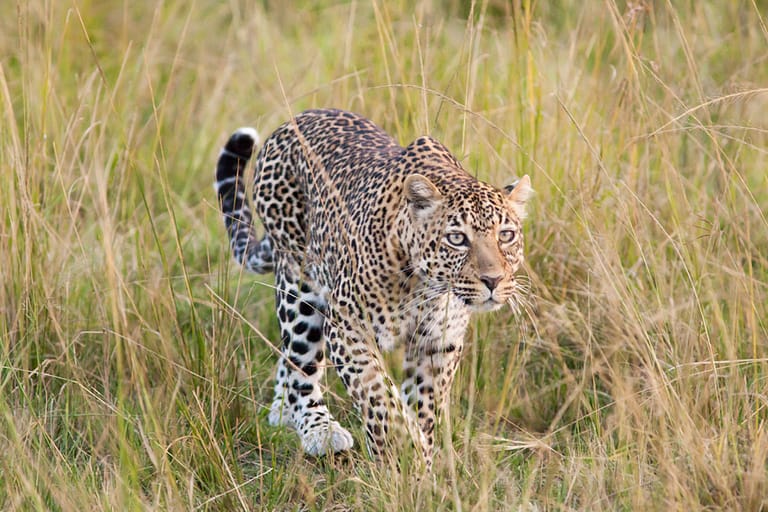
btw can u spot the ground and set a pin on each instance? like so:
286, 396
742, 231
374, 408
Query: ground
136, 358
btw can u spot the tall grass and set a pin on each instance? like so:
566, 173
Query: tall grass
136, 359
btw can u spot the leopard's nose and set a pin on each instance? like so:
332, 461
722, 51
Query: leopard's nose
491, 281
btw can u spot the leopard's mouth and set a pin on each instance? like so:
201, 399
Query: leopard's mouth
482, 304
490, 304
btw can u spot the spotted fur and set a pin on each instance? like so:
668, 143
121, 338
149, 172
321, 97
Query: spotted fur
372, 245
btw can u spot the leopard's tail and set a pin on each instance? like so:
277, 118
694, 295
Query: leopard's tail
253, 254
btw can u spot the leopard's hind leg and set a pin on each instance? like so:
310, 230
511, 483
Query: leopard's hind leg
298, 400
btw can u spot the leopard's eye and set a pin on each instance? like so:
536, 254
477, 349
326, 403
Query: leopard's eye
507, 236
457, 239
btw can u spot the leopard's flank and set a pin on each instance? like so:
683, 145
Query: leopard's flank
372, 245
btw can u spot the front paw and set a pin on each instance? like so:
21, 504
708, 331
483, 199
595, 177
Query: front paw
328, 438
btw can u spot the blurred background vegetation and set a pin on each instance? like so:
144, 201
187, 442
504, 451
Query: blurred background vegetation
136, 359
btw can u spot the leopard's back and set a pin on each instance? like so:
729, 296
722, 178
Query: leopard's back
321, 170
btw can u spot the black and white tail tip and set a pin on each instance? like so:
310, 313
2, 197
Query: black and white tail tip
237, 150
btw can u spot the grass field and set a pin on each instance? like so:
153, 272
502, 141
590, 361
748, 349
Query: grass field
136, 357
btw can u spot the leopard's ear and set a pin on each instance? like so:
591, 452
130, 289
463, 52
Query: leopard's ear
518, 194
422, 194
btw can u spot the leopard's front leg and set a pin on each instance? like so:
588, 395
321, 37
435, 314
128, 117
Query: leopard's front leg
361, 368
432, 355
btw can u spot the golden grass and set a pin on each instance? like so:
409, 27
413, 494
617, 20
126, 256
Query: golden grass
635, 381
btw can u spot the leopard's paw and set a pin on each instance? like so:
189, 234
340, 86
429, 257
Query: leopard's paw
328, 438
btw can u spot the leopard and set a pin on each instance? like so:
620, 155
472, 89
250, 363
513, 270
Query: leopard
373, 246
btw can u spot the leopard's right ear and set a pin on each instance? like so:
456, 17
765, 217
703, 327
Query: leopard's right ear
422, 194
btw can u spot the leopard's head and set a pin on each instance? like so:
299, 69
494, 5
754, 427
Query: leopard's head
468, 237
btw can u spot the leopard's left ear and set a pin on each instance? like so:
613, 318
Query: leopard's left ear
518, 194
